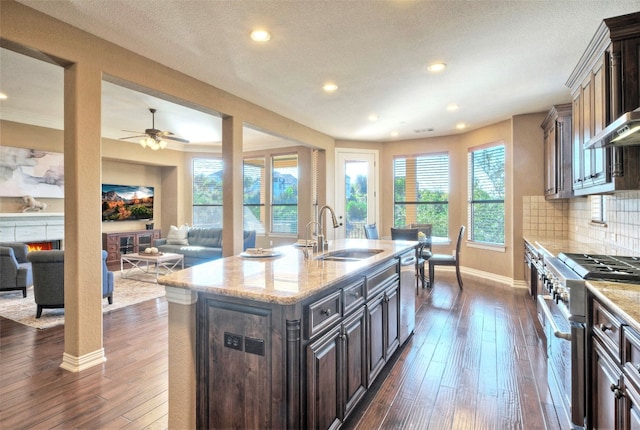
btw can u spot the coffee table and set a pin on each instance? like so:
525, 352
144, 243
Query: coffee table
142, 262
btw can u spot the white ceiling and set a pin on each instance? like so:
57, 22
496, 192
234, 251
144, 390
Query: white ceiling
503, 58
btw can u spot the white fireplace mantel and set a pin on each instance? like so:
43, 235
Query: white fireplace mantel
31, 226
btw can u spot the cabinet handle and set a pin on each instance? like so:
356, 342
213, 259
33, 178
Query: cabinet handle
604, 327
327, 312
637, 366
355, 294
617, 392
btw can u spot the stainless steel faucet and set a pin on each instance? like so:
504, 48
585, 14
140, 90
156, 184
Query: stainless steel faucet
321, 238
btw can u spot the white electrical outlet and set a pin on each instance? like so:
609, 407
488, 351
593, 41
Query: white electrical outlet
271, 243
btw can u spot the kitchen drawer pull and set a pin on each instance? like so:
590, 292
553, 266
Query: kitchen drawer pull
604, 328
355, 294
327, 312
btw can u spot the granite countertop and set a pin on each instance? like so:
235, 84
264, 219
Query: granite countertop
623, 299
285, 279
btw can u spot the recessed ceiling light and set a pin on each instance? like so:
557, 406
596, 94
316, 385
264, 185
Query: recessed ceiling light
260, 35
394, 134
436, 67
461, 126
3, 96
451, 107
329, 87
373, 117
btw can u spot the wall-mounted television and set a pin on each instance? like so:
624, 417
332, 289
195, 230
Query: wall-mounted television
126, 203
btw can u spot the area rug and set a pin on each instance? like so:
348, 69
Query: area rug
126, 292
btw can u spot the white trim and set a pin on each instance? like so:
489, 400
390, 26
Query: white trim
77, 364
180, 296
486, 276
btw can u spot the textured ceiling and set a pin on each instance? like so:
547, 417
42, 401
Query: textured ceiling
503, 57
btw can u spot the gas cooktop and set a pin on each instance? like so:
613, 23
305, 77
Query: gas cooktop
604, 267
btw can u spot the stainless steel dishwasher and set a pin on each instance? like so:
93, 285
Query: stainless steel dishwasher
407, 294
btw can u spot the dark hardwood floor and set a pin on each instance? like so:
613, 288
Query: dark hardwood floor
476, 361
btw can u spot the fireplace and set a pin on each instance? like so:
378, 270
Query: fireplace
44, 246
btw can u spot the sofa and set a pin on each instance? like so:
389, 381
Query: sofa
198, 244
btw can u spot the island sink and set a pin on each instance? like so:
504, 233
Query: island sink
349, 254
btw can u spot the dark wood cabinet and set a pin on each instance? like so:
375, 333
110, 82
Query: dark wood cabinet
613, 397
311, 358
557, 152
604, 85
127, 242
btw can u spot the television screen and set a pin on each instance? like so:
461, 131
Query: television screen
126, 203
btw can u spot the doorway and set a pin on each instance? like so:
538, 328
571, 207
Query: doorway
356, 190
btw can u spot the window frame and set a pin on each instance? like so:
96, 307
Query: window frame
474, 203
195, 205
439, 229
273, 205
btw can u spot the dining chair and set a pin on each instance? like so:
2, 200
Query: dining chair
447, 260
412, 234
371, 231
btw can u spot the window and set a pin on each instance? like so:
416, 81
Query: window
486, 195
598, 209
254, 194
421, 192
207, 192
284, 194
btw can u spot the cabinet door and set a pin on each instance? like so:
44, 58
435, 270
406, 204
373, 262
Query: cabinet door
324, 410
598, 123
550, 162
355, 364
631, 418
606, 380
145, 241
127, 244
375, 338
577, 159
392, 320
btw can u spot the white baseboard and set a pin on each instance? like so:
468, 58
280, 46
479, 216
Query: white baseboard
483, 276
77, 364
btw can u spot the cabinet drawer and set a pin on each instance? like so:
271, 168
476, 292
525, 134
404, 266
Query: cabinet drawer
323, 313
353, 296
381, 278
606, 327
631, 354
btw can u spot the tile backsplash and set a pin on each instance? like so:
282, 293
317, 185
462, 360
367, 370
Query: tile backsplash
571, 219
545, 218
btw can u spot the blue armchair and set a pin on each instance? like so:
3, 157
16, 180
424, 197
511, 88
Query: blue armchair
107, 279
15, 269
48, 279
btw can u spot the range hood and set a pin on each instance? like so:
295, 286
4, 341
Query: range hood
625, 131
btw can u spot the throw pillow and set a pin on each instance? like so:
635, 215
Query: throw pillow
178, 236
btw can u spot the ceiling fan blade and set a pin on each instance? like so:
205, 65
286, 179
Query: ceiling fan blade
177, 139
133, 137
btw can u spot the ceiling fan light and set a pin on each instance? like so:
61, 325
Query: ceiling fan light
163, 144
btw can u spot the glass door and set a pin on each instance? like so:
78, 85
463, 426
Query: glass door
356, 191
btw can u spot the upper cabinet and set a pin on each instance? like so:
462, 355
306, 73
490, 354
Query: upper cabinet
604, 85
557, 152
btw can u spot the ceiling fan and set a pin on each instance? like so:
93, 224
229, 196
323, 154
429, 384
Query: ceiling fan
152, 137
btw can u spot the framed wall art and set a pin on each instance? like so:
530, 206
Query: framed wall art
30, 171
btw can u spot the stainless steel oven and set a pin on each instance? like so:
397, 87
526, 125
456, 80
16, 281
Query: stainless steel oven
562, 306
565, 335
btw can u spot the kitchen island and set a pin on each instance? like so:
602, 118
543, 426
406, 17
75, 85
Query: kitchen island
284, 341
